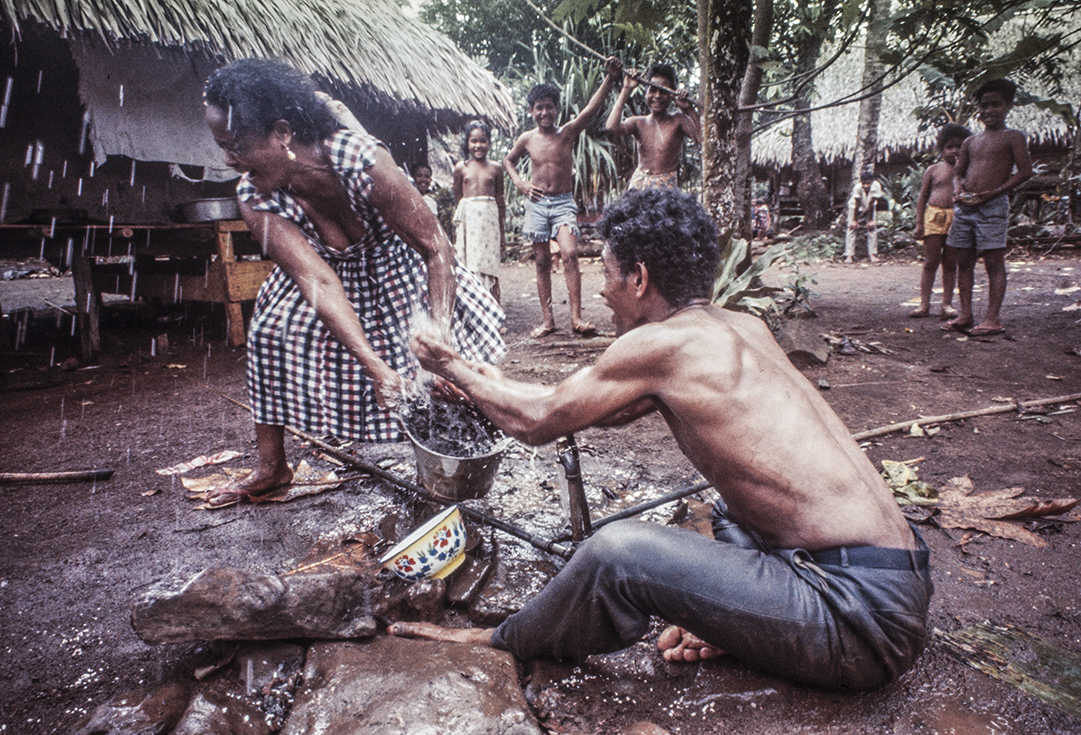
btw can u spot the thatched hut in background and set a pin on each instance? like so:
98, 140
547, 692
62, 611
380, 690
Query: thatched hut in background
900, 139
102, 112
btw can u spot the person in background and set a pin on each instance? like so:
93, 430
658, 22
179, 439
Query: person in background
551, 211
422, 177
934, 214
358, 254
867, 197
660, 134
761, 220
481, 210
989, 166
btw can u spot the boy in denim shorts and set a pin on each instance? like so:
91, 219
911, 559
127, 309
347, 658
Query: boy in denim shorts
551, 211
989, 166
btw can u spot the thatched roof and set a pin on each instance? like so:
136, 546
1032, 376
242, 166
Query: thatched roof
364, 47
834, 129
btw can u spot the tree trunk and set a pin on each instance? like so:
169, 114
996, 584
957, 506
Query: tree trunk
724, 32
867, 132
813, 198
748, 95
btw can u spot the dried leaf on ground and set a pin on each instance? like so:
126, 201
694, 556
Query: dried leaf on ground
200, 461
306, 481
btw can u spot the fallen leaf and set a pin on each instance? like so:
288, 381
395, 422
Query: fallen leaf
1072, 307
1064, 291
916, 430
175, 366
148, 493
1053, 377
200, 461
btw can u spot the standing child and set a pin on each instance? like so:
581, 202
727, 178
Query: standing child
989, 166
478, 219
422, 177
551, 211
934, 213
660, 134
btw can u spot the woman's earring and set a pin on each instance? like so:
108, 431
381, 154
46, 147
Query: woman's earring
289, 153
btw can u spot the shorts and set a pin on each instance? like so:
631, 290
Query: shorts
644, 179
936, 220
982, 227
543, 218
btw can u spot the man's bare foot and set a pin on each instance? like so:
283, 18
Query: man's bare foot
584, 329
677, 644
920, 313
959, 324
848, 261
542, 331
433, 632
948, 312
257, 483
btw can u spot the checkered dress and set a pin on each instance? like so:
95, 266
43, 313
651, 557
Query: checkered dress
298, 373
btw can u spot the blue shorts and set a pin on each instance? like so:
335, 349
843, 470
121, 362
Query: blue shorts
982, 227
544, 217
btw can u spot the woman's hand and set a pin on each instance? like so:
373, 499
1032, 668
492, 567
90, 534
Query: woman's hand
389, 387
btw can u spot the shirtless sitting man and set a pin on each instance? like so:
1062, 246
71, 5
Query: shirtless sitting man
660, 134
813, 573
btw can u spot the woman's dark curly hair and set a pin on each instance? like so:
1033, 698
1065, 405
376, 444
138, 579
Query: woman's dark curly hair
259, 92
671, 234
469, 128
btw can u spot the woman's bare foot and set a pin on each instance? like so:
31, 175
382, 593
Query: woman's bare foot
678, 645
920, 313
542, 331
948, 312
433, 632
258, 482
960, 324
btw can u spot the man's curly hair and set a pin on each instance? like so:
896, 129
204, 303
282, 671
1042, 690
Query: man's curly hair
539, 92
259, 92
670, 233
1005, 87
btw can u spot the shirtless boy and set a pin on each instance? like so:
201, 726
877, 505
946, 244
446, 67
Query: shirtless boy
989, 166
551, 211
934, 213
660, 134
813, 573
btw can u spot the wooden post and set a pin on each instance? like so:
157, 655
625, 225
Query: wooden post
87, 307
234, 316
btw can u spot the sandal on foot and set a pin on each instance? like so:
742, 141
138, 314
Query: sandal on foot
982, 331
919, 314
585, 329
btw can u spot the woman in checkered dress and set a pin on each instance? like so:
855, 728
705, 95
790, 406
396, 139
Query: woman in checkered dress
359, 256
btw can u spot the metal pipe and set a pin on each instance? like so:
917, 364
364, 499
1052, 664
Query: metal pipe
577, 507
643, 507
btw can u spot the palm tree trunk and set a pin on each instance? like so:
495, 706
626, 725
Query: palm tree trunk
870, 108
724, 32
748, 95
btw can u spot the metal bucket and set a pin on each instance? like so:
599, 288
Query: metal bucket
456, 478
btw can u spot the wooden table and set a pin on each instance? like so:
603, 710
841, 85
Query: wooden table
170, 263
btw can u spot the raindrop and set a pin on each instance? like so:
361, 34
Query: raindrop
228, 118
121, 95
52, 352
105, 198
7, 90
64, 170
79, 188
69, 253
50, 178
153, 346
111, 216
4, 201
41, 75
41, 256
134, 279
39, 158
52, 227
92, 167
176, 288
29, 155
144, 199
73, 323
131, 179
83, 132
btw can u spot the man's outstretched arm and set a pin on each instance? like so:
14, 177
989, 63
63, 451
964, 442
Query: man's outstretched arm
611, 391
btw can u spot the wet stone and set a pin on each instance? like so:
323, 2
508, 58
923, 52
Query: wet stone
800, 340
468, 580
425, 600
399, 685
233, 604
138, 712
513, 582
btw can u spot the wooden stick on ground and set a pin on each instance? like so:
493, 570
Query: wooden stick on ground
1002, 408
38, 478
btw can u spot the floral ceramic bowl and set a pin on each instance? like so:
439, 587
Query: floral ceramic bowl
432, 551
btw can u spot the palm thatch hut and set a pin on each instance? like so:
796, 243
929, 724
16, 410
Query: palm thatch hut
102, 101
901, 138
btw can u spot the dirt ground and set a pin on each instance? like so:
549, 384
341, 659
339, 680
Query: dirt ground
75, 555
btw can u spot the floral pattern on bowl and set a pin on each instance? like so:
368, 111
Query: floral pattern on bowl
438, 551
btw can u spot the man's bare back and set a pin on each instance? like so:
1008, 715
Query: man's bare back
759, 432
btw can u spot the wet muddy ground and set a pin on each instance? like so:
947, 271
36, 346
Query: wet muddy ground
76, 555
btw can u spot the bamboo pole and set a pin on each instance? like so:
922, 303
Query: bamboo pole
1013, 405
38, 478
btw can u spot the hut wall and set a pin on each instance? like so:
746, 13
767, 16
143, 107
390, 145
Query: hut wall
46, 124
